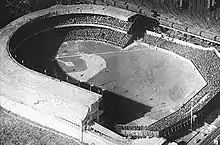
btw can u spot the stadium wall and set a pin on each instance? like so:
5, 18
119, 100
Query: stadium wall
53, 12
19, 107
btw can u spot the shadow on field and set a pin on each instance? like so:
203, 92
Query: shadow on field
120, 110
38, 53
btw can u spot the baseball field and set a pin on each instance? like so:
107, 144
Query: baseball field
145, 74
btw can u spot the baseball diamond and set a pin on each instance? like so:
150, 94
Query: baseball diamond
102, 77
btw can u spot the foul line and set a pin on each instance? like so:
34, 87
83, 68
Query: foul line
140, 49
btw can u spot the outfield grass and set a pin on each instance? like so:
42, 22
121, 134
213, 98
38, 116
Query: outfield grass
15, 130
145, 74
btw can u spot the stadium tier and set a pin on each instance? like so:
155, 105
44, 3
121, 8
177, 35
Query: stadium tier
65, 28
98, 20
98, 34
208, 64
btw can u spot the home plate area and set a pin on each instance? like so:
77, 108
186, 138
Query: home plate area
150, 76
82, 60
82, 66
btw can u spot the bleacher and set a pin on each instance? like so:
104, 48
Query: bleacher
208, 64
105, 35
98, 20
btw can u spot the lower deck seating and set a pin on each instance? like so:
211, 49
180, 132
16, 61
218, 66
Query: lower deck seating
98, 34
97, 19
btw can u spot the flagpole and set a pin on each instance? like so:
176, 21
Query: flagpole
191, 114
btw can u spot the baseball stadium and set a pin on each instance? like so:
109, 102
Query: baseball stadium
105, 70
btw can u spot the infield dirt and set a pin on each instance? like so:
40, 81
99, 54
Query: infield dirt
148, 75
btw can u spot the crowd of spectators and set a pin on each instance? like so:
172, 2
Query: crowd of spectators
185, 37
137, 131
206, 61
99, 20
99, 34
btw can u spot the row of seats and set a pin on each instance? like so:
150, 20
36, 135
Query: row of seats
194, 13
208, 64
144, 131
99, 34
185, 37
137, 131
100, 20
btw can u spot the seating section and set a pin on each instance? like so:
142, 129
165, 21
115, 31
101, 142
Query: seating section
93, 33
99, 34
208, 64
99, 20
106, 35
186, 37
206, 61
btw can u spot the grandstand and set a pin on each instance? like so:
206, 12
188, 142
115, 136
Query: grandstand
98, 34
200, 58
101, 20
91, 63
19, 65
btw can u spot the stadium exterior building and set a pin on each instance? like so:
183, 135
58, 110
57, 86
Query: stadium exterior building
24, 85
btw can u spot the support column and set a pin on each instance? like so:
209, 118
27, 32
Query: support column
181, 4
97, 117
81, 132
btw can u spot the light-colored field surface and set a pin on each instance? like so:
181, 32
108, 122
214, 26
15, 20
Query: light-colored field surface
80, 65
17, 84
132, 83
152, 76
83, 66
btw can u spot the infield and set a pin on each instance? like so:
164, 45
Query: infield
152, 76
